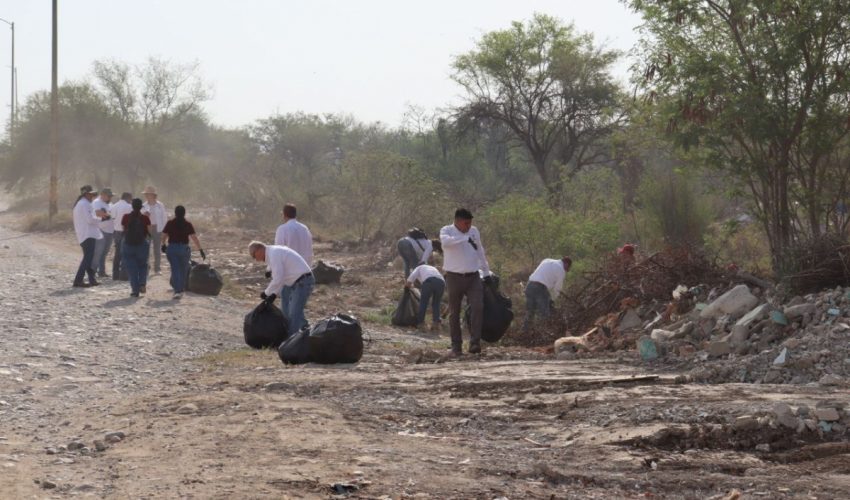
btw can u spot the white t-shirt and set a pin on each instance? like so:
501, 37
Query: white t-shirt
286, 267
118, 211
422, 247
424, 272
459, 256
85, 222
156, 213
106, 226
296, 236
550, 273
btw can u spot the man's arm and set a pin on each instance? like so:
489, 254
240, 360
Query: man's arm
448, 239
482, 257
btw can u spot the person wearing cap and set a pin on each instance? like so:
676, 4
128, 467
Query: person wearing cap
464, 262
118, 211
288, 271
155, 210
544, 286
414, 248
87, 228
107, 228
295, 235
136, 246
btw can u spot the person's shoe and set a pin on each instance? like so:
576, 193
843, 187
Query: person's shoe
437, 327
81, 285
422, 327
102, 275
177, 296
134, 294
94, 283
143, 289
474, 349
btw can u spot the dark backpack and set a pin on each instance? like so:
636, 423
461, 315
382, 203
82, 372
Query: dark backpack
135, 230
417, 234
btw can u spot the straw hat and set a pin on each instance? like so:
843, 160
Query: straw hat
150, 190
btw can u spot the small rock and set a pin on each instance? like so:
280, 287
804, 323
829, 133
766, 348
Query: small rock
283, 386
739, 335
75, 445
660, 335
811, 424
47, 484
827, 414
831, 380
782, 358
630, 320
763, 447
51, 451
188, 409
746, 423
718, 348
794, 312
99, 446
803, 411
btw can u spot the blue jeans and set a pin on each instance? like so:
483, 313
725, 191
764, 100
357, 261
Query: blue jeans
432, 289
86, 264
116, 256
101, 249
536, 303
178, 257
293, 299
136, 261
408, 255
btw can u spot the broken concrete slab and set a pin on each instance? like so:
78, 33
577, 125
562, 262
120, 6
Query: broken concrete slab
755, 315
799, 310
736, 302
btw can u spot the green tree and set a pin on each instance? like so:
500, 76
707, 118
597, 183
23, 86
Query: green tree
552, 89
761, 89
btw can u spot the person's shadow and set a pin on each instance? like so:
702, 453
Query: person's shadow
121, 302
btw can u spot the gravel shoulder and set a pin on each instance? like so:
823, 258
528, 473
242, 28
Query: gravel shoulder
108, 397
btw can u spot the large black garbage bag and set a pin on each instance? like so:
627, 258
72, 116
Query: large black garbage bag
408, 308
497, 311
265, 326
337, 339
204, 280
296, 349
326, 274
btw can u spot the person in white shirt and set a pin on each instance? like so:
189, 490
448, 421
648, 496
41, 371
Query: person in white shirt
463, 260
86, 226
155, 211
294, 234
432, 286
117, 212
547, 279
107, 228
288, 271
415, 249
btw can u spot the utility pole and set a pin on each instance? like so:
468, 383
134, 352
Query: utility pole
12, 101
54, 124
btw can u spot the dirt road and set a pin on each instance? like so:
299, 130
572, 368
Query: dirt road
109, 397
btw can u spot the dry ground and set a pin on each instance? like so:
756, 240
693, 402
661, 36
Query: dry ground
202, 417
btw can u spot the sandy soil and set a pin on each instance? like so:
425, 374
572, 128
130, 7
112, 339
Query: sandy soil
109, 397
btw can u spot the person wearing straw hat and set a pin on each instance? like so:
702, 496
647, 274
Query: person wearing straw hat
155, 210
86, 226
107, 227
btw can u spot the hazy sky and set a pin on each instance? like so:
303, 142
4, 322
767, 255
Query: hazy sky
369, 58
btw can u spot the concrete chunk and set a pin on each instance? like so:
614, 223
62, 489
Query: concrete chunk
735, 302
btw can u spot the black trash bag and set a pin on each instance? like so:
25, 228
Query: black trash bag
497, 311
265, 326
327, 274
296, 350
337, 339
204, 280
406, 312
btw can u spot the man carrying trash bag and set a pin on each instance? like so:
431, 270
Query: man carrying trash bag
289, 274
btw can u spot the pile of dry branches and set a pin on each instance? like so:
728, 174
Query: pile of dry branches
616, 283
814, 265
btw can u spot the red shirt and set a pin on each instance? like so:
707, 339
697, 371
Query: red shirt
146, 221
177, 234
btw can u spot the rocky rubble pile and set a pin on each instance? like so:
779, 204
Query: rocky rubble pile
740, 335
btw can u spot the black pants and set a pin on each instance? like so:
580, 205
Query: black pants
87, 262
471, 287
116, 257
